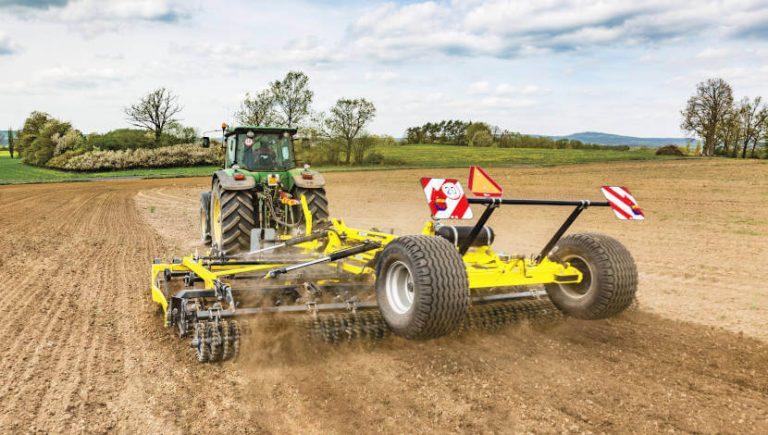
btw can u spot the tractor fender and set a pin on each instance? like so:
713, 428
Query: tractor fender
228, 182
308, 179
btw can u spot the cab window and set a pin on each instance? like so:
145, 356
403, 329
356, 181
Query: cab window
266, 152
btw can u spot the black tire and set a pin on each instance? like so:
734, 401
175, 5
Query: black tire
236, 219
610, 277
317, 201
205, 218
436, 281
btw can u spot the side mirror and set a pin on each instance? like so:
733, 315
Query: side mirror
206, 142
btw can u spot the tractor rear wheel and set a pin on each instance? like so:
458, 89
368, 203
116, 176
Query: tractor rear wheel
609, 279
422, 287
317, 202
232, 219
205, 218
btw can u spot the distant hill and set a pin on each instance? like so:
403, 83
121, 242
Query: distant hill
615, 139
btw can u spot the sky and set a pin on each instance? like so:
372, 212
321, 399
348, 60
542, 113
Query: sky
545, 67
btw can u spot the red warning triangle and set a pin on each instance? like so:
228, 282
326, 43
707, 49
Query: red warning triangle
481, 184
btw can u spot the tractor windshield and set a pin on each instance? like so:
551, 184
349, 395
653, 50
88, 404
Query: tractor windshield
265, 152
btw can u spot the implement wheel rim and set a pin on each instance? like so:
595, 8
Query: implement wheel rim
216, 233
580, 289
399, 287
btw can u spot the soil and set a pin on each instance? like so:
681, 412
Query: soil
85, 350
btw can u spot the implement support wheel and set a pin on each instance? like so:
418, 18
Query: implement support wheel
610, 276
422, 287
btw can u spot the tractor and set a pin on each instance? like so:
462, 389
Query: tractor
258, 196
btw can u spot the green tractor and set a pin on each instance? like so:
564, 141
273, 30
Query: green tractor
258, 193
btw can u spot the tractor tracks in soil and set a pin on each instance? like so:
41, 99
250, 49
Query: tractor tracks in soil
85, 351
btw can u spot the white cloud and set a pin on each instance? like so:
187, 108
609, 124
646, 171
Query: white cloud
98, 16
382, 76
503, 89
7, 45
506, 29
61, 78
481, 87
121, 10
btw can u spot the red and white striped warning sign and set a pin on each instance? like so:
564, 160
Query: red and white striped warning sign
622, 202
446, 198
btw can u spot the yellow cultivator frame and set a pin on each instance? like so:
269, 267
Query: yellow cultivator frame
445, 271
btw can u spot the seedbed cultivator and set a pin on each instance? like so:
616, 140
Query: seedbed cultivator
343, 283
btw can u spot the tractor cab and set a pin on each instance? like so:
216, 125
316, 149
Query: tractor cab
260, 148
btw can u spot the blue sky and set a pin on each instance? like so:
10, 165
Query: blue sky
548, 67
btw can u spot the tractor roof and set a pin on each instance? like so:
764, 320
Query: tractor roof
258, 129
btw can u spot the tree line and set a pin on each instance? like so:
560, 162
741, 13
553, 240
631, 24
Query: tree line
727, 128
335, 136
481, 134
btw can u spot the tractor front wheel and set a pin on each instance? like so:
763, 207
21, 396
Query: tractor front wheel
232, 219
609, 280
422, 287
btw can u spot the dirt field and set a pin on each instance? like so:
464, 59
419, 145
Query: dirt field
84, 349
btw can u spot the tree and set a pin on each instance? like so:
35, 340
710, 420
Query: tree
292, 98
361, 146
10, 142
706, 110
479, 135
71, 140
154, 112
258, 109
729, 133
30, 130
347, 119
752, 116
38, 137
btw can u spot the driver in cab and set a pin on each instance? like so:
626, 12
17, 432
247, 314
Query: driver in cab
264, 156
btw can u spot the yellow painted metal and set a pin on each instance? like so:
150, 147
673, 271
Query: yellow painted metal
307, 214
157, 293
485, 268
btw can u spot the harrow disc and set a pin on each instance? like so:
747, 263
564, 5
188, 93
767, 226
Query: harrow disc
200, 343
216, 341
214, 337
220, 341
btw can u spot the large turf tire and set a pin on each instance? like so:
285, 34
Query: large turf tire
610, 277
232, 219
433, 271
205, 218
317, 202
